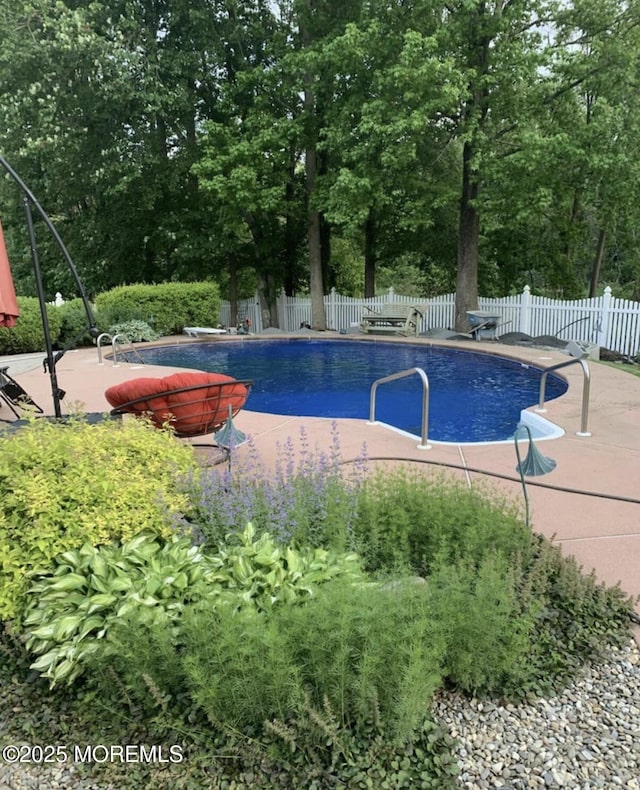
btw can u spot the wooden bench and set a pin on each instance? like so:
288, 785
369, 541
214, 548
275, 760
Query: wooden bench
394, 319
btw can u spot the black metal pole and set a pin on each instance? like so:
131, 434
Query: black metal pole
56, 393
93, 331
29, 199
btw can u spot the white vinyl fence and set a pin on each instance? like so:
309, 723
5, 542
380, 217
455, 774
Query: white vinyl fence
604, 320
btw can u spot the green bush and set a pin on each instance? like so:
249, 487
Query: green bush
487, 629
293, 680
338, 684
368, 651
167, 307
62, 485
73, 607
578, 617
372, 651
406, 520
75, 323
28, 334
133, 331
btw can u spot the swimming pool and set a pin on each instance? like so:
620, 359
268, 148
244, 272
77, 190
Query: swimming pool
474, 397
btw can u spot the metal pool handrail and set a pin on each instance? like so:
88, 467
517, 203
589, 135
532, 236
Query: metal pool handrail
115, 345
586, 386
424, 445
98, 341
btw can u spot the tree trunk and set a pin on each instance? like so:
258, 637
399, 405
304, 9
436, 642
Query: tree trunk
370, 256
314, 236
290, 232
233, 294
318, 315
328, 281
468, 240
268, 306
597, 263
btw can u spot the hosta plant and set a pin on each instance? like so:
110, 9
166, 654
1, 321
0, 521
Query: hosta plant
150, 582
264, 573
133, 331
71, 609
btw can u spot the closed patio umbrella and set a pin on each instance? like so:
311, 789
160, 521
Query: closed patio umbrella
8, 303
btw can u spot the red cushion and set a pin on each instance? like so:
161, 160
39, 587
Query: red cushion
191, 413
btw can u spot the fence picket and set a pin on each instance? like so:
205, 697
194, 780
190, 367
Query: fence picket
610, 322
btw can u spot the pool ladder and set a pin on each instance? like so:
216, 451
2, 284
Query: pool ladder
424, 444
116, 346
586, 387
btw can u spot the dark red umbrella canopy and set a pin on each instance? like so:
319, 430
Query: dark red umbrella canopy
9, 310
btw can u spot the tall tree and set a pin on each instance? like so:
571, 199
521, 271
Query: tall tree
569, 179
248, 161
498, 45
112, 96
386, 140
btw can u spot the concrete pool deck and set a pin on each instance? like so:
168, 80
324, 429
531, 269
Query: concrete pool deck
589, 505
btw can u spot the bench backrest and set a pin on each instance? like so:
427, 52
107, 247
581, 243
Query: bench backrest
401, 309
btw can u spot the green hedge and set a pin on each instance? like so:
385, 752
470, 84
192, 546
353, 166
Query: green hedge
75, 324
28, 335
167, 307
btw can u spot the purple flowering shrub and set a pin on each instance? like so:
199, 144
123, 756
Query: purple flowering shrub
308, 498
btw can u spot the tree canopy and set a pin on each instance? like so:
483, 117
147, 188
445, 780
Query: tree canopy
478, 144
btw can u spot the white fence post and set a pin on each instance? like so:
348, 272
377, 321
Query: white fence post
614, 323
525, 310
333, 318
605, 314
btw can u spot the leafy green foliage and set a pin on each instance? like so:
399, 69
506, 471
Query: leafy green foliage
335, 650
363, 760
63, 484
167, 307
551, 123
310, 683
133, 331
257, 571
487, 630
73, 608
407, 520
576, 616
75, 323
289, 659
28, 334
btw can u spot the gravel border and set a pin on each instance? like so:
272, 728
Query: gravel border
587, 737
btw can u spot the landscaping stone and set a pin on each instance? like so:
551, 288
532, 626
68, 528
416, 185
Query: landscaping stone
587, 737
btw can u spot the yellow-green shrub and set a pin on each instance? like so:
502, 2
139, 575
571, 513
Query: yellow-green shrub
62, 485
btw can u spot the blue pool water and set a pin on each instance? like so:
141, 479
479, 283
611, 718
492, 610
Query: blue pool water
474, 397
